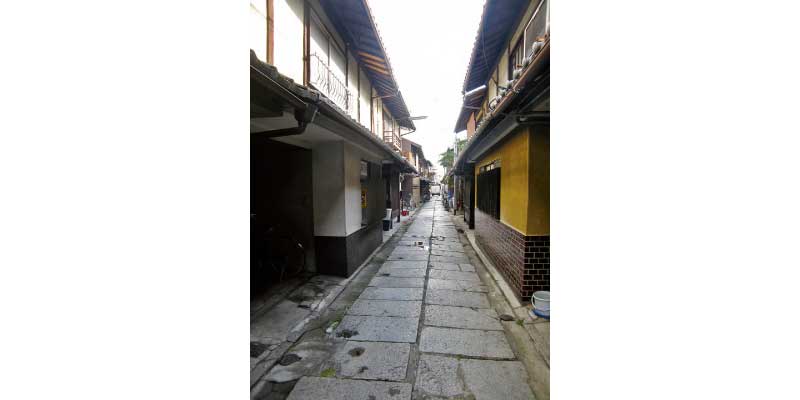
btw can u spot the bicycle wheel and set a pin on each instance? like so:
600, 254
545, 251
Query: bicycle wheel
289, 256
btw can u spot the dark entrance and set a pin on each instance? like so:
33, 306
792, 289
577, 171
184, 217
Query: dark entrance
280, 199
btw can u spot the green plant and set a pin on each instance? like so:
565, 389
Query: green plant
520, 322
328, 373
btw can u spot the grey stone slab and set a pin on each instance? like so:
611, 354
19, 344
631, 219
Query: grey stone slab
462, 317
312, 353
466, 378
466, 342
467, 286
378, 329
388, 281
410, 243
455, 275
496, 380
438, 376
386, 308
406, 264
402, 272
372, 360
376, 293
279, 321
456, 298
457, 260
410, 249
448, 253
418, 256
310, 387
447, 266
467, 267
448, 247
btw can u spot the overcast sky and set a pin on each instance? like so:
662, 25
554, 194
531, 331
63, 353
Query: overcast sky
429, 43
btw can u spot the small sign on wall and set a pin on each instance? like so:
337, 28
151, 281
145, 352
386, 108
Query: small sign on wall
363, 198
364, 170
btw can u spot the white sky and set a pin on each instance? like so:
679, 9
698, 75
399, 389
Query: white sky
429, 43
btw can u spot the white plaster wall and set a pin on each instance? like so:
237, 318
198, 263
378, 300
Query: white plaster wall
288, 43
352, 189
352, 184
352, 85
364, 96
328, 171
258, 29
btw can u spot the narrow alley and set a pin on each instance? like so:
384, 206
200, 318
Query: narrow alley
418, 321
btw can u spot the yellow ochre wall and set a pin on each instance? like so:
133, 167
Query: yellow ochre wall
524, 179
513, 156
539, 188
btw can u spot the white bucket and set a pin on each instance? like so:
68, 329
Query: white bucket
388, 213
541, 303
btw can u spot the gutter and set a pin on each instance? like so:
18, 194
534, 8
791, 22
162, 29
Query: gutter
309, 104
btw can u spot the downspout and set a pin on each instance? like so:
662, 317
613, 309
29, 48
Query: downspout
304, 116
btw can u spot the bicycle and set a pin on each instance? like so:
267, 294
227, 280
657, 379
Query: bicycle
278, 253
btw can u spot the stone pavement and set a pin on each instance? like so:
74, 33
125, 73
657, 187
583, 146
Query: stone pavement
422, 327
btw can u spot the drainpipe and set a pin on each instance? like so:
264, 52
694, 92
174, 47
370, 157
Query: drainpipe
304, 116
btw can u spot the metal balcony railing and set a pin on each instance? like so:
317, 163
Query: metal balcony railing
392, 139
330, 85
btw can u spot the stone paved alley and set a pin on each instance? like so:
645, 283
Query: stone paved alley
421, 320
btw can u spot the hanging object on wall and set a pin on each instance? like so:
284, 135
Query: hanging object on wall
363, 198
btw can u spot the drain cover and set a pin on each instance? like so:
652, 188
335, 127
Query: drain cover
256, 349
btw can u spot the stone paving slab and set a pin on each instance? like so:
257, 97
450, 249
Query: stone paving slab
411, 243
448, 247
376, 293
447, 266
388, 281
444, 240
462, 317
448, 253
406, 264
457, 260
465, 342
455, 275
466, 286
348, 389
278, 321
386, 308
378, 329
467, 267
402, 272
372, 360
418, 256
478, 379
410, 249
438, 376
456, 298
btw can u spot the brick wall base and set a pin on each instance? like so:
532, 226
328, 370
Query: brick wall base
523, 260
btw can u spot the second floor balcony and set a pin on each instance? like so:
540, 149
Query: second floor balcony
326, 81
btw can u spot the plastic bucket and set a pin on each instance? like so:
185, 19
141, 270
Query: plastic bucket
388, 213
541, 303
